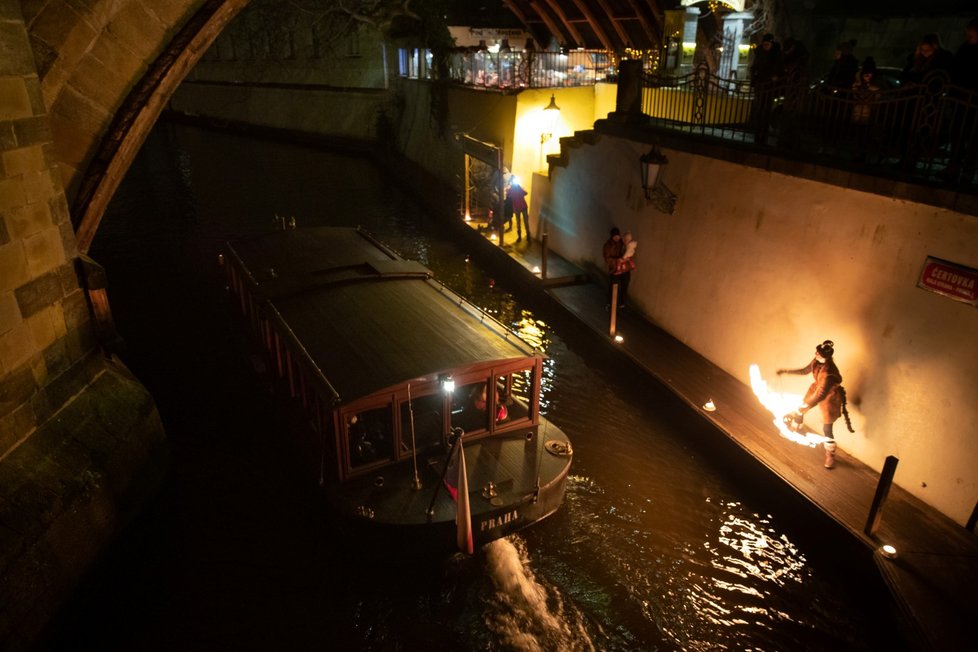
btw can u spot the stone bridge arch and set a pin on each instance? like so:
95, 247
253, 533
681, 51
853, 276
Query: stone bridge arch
106, 69
81, 444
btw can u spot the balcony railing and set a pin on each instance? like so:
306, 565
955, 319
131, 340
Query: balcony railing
919, 130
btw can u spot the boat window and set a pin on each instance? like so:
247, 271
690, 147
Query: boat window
469, 407
429, 421
514, 393
371, 436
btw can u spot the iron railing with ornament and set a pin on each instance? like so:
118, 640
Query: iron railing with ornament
534, 68
925, 129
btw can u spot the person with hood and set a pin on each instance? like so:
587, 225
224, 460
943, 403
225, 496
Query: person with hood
826, 392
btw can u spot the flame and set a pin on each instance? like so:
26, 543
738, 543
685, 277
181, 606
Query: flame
780, 404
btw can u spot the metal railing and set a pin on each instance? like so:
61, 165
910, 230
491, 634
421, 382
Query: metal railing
532, 69
921, 130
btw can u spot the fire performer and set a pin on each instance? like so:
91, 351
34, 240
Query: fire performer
827, 392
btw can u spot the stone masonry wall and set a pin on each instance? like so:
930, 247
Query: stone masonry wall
44, 321
89, 54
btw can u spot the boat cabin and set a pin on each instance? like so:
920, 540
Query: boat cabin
385, 361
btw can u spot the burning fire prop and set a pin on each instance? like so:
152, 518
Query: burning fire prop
780, 405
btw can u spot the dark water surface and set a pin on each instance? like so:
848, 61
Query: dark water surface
659, 545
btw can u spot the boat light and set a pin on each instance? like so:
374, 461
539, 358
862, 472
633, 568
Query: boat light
447, 384
619, 339
888, 551
710, 406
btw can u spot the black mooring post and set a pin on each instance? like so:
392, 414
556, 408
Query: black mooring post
882, 491
973, 520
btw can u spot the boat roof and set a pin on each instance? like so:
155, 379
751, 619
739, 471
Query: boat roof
367, 319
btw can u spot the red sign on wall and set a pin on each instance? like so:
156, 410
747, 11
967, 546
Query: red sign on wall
955, 281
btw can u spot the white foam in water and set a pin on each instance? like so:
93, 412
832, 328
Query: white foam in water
522, 612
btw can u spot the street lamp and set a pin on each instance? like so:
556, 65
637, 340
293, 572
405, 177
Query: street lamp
551, 113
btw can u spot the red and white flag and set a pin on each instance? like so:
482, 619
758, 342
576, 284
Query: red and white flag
463, 515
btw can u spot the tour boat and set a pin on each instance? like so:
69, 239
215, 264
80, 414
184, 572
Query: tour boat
423, 411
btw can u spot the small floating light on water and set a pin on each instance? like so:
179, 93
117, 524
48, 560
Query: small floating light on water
710, 406
619, 339
888, 551
536, 269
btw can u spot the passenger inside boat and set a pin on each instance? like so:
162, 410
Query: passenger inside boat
508, 388
371, 436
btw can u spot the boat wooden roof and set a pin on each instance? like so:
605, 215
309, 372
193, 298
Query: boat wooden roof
366, 318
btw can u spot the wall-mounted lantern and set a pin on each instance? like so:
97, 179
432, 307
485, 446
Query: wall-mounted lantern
652, 164
550, 114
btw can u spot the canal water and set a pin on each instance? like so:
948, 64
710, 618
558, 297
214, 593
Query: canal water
662, 542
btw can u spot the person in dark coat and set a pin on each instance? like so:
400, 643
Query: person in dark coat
842, 74
927, 58
964, 124
826, 392
766, 70
517, 198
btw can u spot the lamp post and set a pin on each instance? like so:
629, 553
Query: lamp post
551, 113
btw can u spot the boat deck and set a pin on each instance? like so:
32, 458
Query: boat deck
511, 461
934, 579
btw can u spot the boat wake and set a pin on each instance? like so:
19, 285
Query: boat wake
523, 613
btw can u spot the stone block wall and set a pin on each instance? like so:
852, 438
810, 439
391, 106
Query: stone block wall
89, 54
44, 323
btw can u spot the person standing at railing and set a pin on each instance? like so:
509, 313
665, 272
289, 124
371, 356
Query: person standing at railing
964, 126
927, 58
842, 74
865, 92
766, 69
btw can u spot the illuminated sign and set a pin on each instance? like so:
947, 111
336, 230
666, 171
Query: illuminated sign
955, 281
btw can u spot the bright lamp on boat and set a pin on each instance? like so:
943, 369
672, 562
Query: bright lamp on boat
447, 384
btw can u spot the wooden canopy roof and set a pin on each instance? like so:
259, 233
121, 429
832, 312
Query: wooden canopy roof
599, 24
367, 319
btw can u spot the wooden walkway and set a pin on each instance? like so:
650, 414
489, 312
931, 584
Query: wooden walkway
934, 579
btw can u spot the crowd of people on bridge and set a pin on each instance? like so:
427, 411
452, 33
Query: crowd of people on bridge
774, 65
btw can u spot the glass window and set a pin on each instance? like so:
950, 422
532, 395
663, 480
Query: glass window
429, 421
514, 391
371, 436
470, 407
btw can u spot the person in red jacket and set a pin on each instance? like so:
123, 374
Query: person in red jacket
826, 392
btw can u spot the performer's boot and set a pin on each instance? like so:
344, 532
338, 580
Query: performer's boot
830, 447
